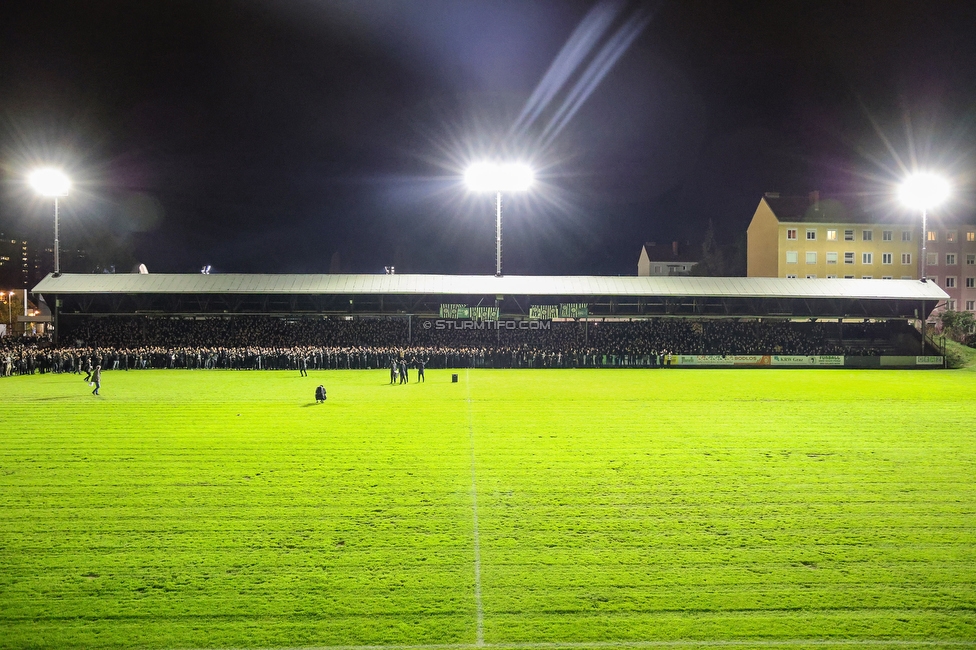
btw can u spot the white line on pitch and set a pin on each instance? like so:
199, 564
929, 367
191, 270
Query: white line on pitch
480, 636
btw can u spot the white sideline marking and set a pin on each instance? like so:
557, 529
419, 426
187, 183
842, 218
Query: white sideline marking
584, 645
480, 636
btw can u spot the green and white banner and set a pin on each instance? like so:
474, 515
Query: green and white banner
574, 310
543, 312
454, 311
483, 313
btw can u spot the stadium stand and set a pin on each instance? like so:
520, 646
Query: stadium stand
267, 342
136, 321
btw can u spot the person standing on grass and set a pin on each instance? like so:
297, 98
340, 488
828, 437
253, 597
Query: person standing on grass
303, 365
403, 371
420, 369
96, 378
88, 369
393, 370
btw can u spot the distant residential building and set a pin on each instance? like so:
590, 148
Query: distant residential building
950, 251
676, 258
806, 237
24, 263
14, 262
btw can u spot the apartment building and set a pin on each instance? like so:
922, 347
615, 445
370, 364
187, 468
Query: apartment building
806, 237
950, 252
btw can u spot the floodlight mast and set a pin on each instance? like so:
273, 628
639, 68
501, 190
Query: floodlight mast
498, 234
923, 191
482, 177
52, 183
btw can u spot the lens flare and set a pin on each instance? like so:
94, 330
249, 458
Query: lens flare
923, 191
50, 182
493, 177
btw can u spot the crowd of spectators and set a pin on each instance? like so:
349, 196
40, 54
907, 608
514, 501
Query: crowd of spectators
265, 342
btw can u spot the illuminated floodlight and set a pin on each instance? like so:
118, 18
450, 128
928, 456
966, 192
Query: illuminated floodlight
494, 177
50, 182
923, 191
498, 178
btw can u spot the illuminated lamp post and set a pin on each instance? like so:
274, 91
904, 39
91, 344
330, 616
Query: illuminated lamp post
498, 178
54, 184
923, 191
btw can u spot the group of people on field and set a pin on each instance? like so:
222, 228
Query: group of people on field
400, 369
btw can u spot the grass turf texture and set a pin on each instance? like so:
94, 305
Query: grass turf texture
218, 509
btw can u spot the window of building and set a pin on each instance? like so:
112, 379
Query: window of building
951, 237
867, 235
811, 234
932, 259
848, 235
933, 278
831, 277
831, 235
886, 277
906, 258
971, 305
791, 276
867, 258
971, 283
971, 260
970, 235
848, 277
811, 276
906, 235
952, 305
791, 233
791, 257
811, 257
950, 259
866, 277
887, 257
950, 282
831, 258
849, 257
932, 236
657, 269
886, 235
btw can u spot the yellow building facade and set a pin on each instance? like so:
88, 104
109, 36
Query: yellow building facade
792, 237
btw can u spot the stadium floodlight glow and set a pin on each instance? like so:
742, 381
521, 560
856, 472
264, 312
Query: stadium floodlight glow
923, 191
53, 183
492, 177
498, 178
50, 182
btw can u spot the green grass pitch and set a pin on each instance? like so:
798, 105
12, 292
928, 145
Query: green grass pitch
519, 509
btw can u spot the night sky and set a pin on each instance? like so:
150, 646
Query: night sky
268, 135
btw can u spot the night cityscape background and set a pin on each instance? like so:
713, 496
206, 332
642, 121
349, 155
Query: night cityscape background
311, 137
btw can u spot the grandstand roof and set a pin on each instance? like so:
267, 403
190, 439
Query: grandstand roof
576, 286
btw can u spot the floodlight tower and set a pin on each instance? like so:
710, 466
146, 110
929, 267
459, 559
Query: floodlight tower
52, 183
923, 191
498, 178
